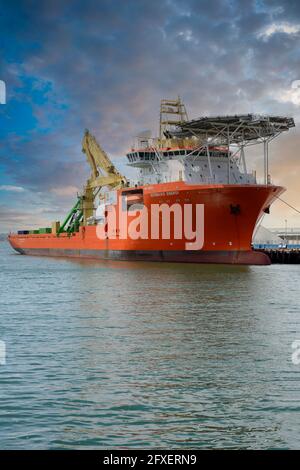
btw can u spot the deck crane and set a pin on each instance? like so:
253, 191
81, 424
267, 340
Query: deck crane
104, 173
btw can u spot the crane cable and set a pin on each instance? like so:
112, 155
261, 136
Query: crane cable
294, 208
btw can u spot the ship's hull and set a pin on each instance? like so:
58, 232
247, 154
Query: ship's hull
230, 215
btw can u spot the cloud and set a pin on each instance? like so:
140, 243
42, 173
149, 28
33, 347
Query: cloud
105, 66
289, 95
14, 219
65, 191
273, 28
15, 189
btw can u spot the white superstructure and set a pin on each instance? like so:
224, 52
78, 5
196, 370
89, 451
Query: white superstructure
208, 150
193, 167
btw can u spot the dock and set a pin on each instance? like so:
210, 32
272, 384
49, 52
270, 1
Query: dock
282, 255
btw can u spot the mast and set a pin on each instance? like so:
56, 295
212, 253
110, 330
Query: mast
172, 114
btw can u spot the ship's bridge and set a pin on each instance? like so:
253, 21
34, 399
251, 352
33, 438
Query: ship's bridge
139, 156
194, 165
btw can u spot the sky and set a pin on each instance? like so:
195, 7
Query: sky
105, 66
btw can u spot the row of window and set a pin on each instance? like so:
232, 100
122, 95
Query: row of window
133, 157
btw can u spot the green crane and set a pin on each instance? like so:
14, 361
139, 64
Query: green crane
72, 221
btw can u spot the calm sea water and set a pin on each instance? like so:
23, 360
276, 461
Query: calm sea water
145, 355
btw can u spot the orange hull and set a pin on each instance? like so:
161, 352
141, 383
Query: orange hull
227, 231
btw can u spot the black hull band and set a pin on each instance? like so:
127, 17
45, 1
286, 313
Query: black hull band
250, 257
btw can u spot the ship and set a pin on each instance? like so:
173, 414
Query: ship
193, 199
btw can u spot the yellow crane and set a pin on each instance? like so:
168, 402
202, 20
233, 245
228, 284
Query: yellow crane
104, 173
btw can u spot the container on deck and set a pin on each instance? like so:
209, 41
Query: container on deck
55, 227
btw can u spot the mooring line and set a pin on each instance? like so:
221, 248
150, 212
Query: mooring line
288, 204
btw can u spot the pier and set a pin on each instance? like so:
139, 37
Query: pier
284, 248
282, 255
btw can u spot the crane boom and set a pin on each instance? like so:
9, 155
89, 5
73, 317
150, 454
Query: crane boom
104, 173
97, 157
